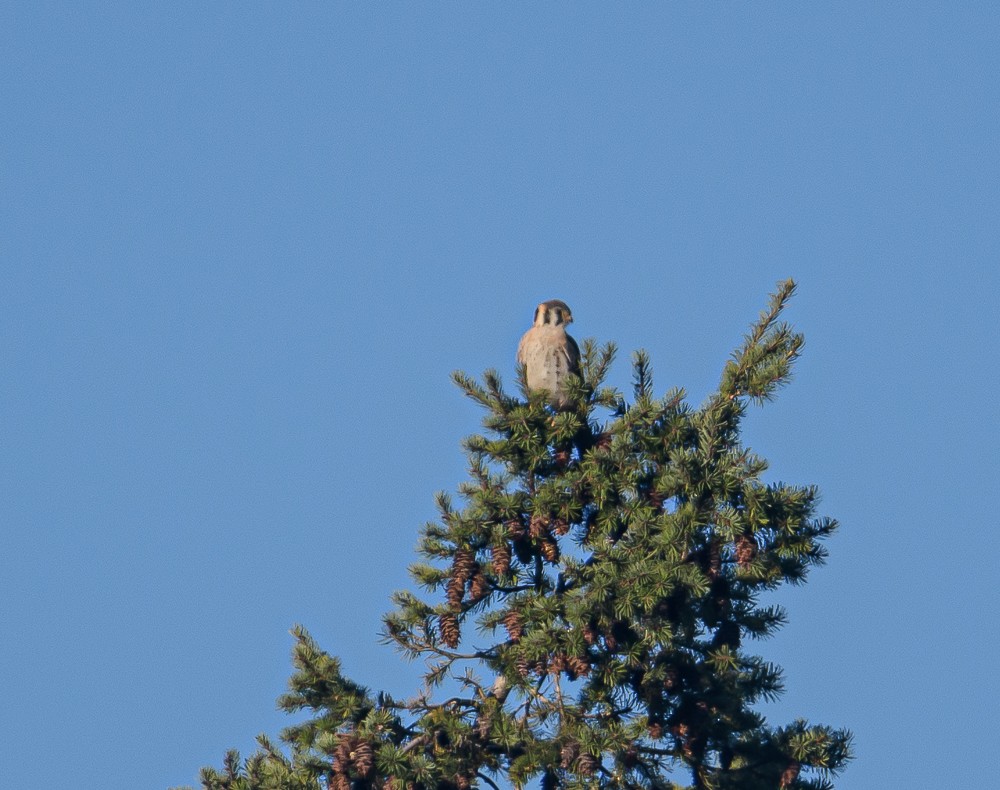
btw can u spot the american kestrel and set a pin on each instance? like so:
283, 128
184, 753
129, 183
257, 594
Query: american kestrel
548, 353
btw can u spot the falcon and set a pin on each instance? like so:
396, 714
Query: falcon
548, 354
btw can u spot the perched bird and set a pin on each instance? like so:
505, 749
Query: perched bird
548, 353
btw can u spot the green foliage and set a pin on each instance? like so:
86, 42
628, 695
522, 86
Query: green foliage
591, 599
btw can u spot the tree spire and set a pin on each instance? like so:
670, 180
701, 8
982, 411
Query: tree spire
588, 604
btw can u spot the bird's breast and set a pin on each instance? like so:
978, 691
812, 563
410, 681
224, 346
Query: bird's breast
544, 356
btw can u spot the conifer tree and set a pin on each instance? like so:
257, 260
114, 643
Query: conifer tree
588, 605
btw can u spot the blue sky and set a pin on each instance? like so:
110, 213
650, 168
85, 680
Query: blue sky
243, 246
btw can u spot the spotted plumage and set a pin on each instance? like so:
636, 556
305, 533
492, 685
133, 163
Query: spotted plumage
549, 355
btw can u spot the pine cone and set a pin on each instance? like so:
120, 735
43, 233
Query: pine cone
630, 757
340, 782
342, 754
560, 526
746, 550
479, 588
568, 754
455, 592
364, 758
522, 666
655, 730
602, 441
562, 457
692, 745
671, 679
514, 624
558, 663
586, 764
790, 774
450, 633
501, 558
550, 550
515, 529
539, 527
463, 565
590, 635
577, 667
462, 782
656, 499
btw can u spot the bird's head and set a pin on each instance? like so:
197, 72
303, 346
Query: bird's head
553, 313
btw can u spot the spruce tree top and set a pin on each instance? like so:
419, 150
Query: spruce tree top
591, 601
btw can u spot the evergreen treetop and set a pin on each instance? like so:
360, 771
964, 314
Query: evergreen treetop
587, 606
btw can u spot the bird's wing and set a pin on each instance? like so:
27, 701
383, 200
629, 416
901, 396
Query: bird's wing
573, 355
520, 348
